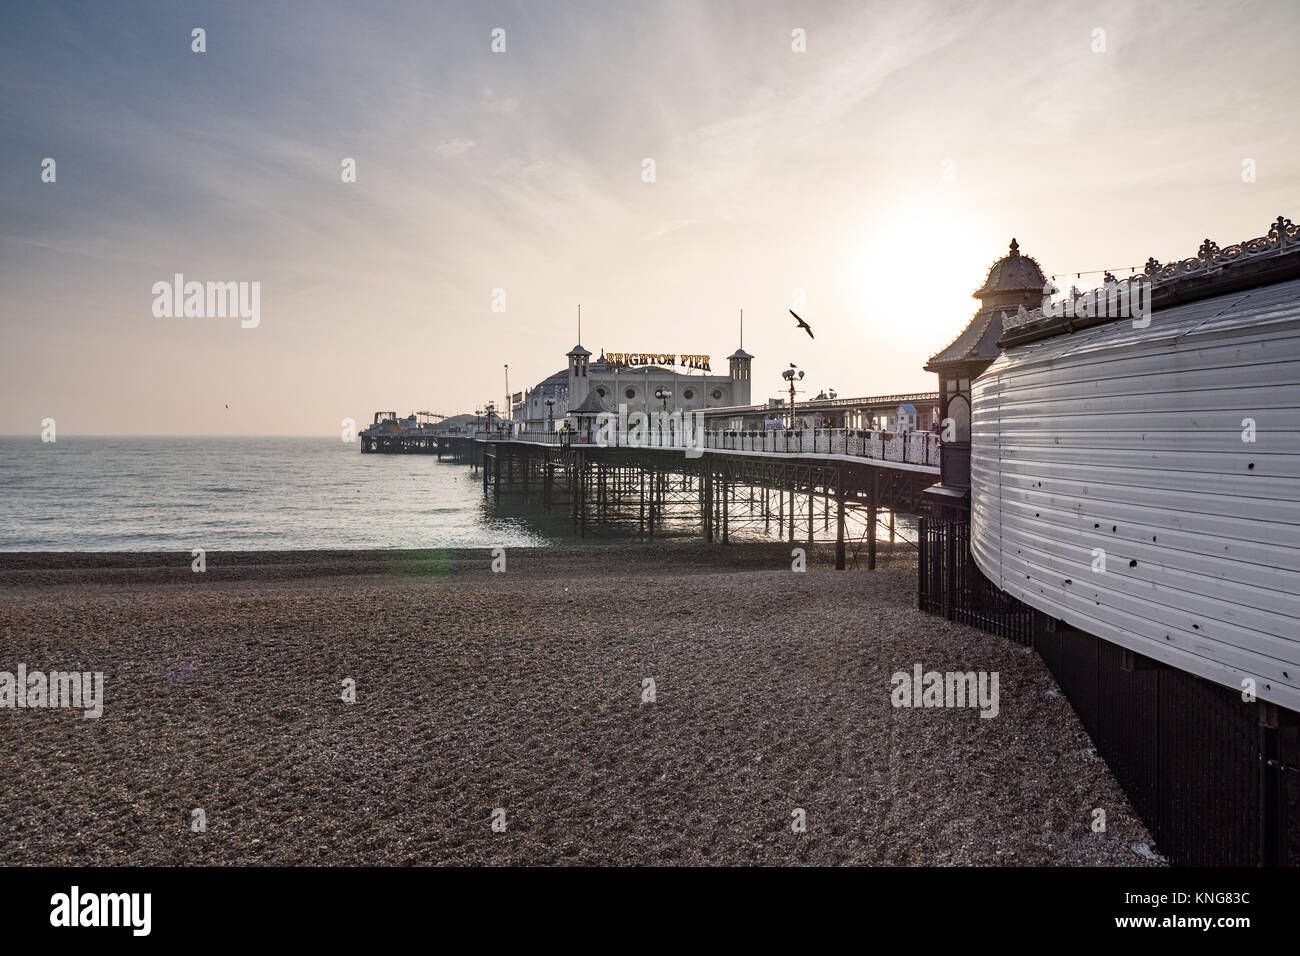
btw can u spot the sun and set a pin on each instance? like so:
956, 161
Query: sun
911, 277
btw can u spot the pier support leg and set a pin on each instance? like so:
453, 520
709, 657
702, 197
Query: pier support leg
790, 531
653, 478
839, 528
726, 503
583, 482
872, 517
708, 505
812, 518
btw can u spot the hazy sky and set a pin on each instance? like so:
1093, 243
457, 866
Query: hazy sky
775, 170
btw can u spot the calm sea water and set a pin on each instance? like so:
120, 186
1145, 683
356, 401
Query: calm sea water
275, 494
177, 494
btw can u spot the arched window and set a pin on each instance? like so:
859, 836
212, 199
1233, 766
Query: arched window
959, 412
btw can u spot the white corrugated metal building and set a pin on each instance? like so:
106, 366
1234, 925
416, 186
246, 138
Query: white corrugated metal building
1169, 456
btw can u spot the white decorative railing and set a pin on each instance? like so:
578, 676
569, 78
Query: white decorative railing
917, 448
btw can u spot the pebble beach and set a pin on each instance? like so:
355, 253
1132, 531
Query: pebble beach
506, 717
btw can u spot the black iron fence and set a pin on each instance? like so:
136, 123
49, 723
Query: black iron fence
1216, 779
951, 584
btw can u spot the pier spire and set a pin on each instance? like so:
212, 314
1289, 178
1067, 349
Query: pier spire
739, 365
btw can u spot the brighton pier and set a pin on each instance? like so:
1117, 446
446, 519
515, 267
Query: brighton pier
1119, 494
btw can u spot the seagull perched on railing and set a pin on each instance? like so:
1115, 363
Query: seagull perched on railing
802, 324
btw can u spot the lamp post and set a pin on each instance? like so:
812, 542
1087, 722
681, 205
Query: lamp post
663, 395
792, 374
550, 416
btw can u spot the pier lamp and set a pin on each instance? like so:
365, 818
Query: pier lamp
663, 394
550, 414
792, 374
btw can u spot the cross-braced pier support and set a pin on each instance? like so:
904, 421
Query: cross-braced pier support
648, 491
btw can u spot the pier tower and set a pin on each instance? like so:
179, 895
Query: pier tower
579, 382
739, 365
1013, 281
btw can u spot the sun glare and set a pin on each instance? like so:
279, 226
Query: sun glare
913, 276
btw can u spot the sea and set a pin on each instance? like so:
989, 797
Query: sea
240, 494
269, 494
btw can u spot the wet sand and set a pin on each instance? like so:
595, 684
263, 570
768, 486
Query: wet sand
523, 691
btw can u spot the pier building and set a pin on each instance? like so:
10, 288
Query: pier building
643, 381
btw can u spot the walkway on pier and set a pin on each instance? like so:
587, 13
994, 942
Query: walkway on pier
917, 451
861, 412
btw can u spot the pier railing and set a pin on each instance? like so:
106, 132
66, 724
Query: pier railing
916, 448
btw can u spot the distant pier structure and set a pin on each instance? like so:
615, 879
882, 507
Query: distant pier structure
421, 433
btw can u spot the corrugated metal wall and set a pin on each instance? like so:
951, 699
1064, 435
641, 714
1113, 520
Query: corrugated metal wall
1125, 445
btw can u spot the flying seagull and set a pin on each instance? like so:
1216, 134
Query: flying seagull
802, 324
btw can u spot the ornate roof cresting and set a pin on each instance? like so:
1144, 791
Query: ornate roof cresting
1282, 235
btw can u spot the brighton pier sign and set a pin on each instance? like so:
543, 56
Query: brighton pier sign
659, 358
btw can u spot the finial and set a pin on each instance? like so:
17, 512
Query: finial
1015, 248
742, 329
579, 323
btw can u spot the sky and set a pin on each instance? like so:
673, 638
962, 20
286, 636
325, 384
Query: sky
870, 179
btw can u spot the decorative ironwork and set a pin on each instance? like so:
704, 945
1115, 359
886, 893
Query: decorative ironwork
1283, 237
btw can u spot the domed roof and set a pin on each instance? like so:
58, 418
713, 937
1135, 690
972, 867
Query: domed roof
1013, 273
1014, 280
